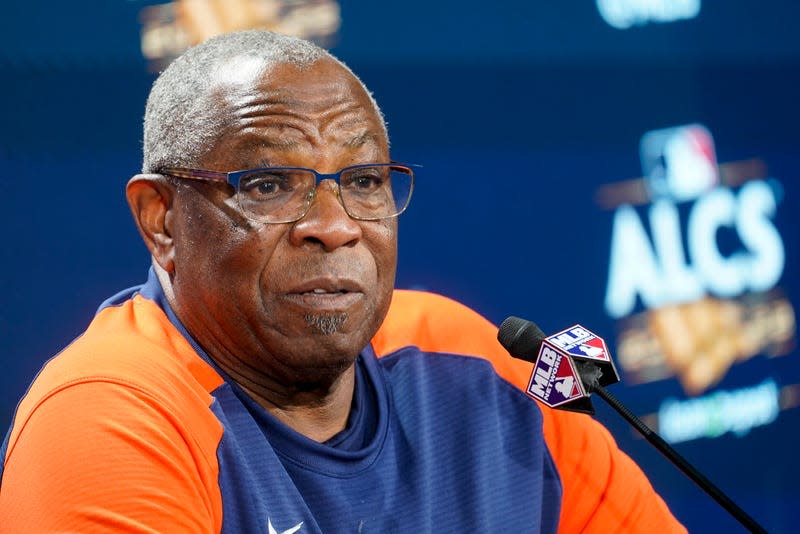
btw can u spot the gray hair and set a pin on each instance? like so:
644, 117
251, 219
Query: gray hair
179, 123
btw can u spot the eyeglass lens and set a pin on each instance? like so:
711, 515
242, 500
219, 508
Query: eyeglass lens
284, 195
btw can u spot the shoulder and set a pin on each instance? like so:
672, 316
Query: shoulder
112, 424
133, 343
438, 324
131, 347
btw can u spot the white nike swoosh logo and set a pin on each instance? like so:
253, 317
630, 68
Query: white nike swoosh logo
289, 531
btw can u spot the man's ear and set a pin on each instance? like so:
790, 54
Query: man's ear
150, 198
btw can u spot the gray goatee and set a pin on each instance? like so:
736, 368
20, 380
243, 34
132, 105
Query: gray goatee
326, 324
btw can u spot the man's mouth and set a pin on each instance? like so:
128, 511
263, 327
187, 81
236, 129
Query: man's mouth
325, 295
326, 286
320, 291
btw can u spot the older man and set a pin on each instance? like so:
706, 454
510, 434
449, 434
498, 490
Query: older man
266, 377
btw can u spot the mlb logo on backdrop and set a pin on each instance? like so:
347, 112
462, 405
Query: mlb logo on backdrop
679, 162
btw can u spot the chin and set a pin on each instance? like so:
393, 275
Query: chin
326, 324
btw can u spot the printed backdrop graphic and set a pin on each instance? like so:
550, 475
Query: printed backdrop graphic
628, 165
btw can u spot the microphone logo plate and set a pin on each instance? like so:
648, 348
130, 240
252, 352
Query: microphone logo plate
556, 377
554, 380
581, 343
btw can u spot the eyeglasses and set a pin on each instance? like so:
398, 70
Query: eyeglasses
367, 192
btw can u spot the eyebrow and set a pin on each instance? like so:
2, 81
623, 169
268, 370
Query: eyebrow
254, 142
363, 138
278, 142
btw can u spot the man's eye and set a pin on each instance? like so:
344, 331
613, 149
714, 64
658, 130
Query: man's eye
365, 183
265, 186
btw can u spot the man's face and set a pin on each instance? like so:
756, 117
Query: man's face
296, 301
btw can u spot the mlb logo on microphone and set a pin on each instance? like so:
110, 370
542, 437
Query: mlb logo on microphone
554, 379
581, 343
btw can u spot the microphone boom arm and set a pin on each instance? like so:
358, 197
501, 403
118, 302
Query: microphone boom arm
679, 461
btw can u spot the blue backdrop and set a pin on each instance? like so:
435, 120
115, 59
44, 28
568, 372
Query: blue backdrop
520, 113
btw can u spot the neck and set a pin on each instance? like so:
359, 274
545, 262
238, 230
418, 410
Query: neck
318, 414
316, 403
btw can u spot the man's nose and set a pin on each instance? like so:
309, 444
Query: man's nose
326, 221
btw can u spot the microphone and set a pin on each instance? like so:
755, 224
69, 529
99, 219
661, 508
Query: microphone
571, 365
568, 366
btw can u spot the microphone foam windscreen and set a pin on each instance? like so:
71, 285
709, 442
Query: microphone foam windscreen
521, 338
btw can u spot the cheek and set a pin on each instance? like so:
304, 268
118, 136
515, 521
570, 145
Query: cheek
383, 244
220, 251
249, 256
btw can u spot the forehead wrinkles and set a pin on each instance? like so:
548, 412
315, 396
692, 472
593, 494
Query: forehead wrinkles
328, 111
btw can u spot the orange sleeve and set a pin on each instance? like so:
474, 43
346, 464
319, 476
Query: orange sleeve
104, 456
603, 489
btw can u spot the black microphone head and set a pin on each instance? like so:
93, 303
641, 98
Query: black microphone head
521, 338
